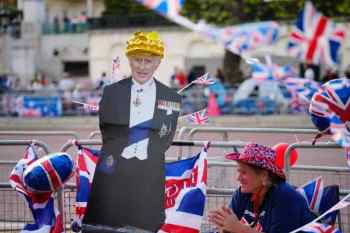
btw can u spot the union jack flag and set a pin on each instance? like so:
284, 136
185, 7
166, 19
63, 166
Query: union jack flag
320, 199
115, 65
164, 7
320, 228
312, 192
199, 118
315, 38
185, 193
333, 98
46, 217
204, 80
116, 72
85, 170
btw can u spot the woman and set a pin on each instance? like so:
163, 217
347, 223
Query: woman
264, 202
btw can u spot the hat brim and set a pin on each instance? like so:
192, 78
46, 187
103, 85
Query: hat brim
233, 156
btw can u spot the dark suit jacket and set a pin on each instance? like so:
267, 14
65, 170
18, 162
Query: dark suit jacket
130, 191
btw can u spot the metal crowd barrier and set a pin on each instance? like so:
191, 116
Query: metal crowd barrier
214, 193
94, 134
73, 134
219, 144
309, 145
9, 200
41, 144
226, 130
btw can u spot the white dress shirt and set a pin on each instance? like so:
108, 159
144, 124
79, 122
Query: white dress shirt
143, 99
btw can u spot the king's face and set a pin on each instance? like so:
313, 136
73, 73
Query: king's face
143, 67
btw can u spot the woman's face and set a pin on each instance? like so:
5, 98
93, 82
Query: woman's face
250, 181
143, 67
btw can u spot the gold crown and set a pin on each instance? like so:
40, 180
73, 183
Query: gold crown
145, 43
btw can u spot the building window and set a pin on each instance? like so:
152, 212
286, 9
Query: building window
76, 68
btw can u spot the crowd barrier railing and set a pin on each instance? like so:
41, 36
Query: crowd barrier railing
15, 142
15, 226
94, 134
309, 145
212, 191
192, 131
72, 134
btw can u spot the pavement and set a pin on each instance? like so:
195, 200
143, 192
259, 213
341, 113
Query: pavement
69, 123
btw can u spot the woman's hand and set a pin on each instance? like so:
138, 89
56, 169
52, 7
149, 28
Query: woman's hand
224, 219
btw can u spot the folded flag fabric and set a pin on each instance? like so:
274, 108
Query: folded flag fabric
85, 169
46, 218
315, 38
185, 193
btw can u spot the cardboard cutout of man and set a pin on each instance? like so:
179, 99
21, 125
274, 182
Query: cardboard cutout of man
138, 118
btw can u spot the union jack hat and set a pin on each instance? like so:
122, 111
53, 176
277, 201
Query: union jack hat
259, 156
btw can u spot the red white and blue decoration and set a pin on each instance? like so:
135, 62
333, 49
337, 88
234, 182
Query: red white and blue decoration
49, 173
312, 192
330, 111
333, 99
302, 91
244, 37
315, 38
185, 194
85, 169
204, 79
269, 71
46, 217
321, 198
164, 7
199, 118
237, 39
320, 228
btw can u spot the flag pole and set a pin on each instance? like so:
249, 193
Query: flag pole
78, 102
185, 87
